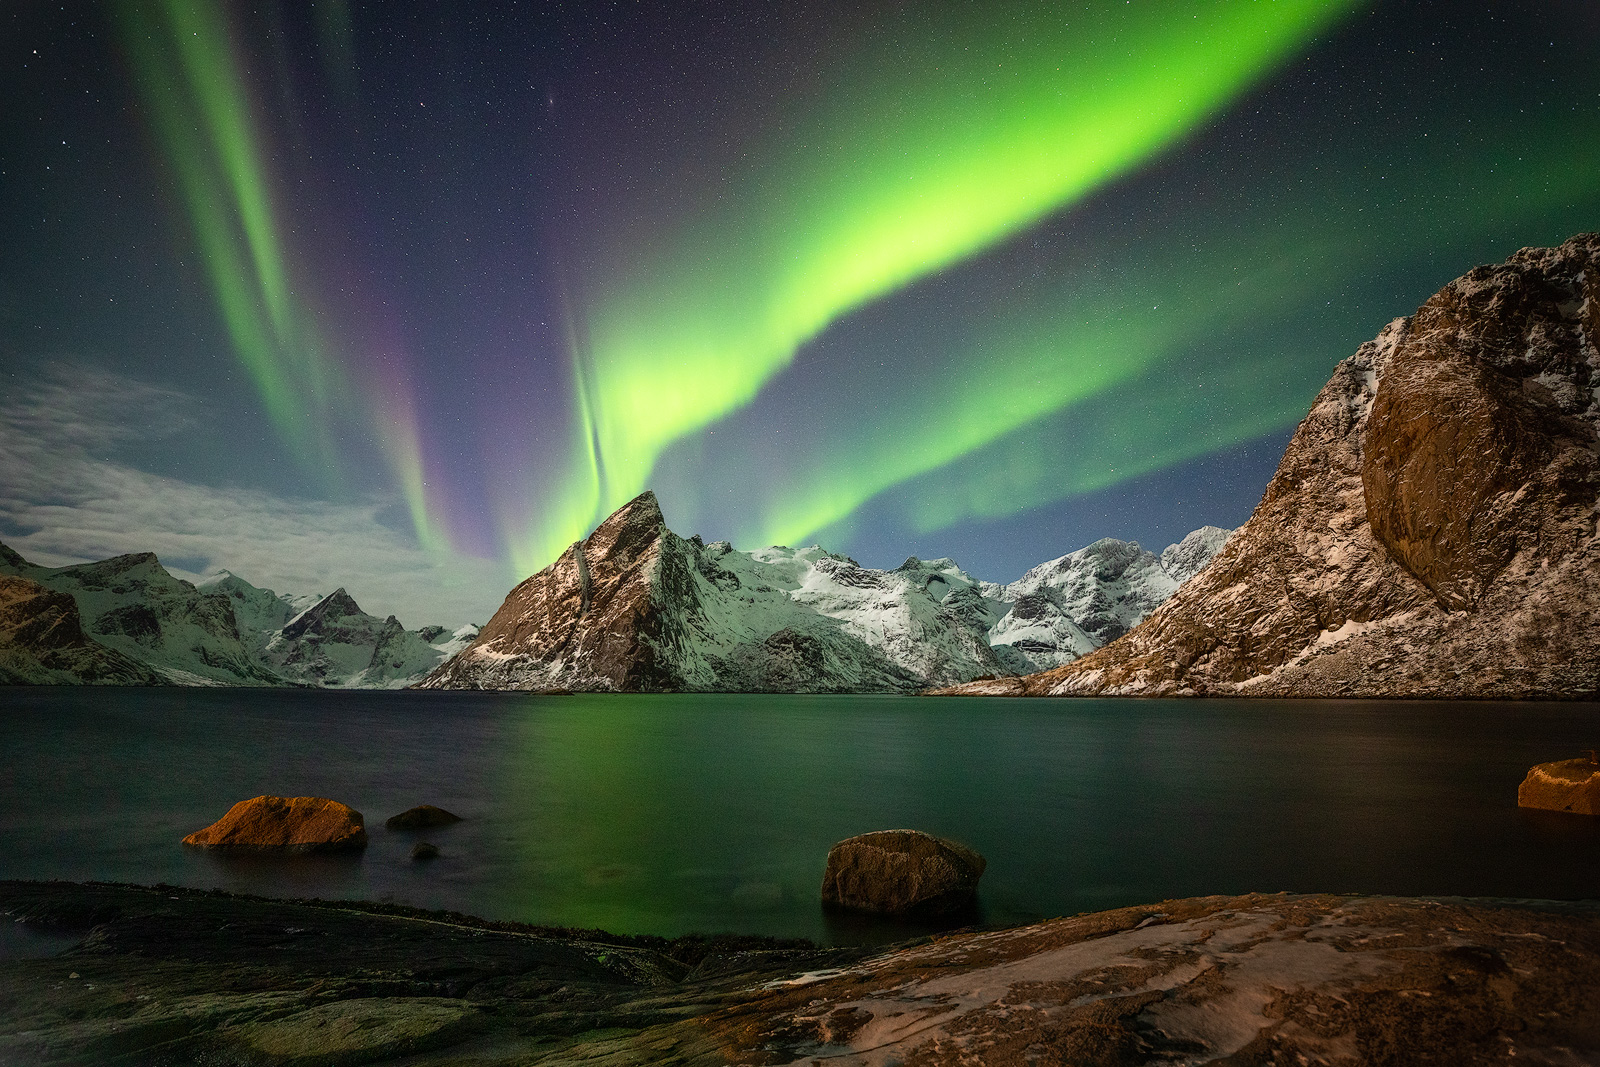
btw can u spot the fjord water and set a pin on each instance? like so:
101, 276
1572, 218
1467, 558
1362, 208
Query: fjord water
674, 814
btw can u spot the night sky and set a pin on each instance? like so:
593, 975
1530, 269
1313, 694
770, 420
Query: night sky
407, 296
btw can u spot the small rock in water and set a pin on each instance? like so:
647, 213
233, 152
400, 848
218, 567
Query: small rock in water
284, 824
422, 850
1565, 785
421, 817
901, 872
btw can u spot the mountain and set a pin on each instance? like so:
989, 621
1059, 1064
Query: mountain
1071, 606
328, 641
130, 622
131, 604
635, 607
1431, 530
42, 642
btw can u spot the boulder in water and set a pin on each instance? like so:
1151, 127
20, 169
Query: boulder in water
1565, 785
421, 817
902, 873
284, 824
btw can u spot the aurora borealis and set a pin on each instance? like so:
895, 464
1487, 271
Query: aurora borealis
981, 280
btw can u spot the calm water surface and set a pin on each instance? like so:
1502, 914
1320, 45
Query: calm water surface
671, 814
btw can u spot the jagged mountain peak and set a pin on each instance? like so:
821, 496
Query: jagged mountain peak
636, 522
330, 609
636, 607
1185, 559
10, 558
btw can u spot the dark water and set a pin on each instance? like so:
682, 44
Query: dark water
694, 813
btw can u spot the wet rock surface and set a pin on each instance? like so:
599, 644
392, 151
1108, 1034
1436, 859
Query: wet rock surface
168, 976
901, 872
421, 817
174, 976
267, 824
1431, 531
1565, 785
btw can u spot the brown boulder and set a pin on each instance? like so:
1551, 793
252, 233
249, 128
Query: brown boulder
284, 824
901, 872
1565, 785
421, 817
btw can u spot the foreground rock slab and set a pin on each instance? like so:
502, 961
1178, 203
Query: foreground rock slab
169, 976
901, 872
285, 824
1565, 785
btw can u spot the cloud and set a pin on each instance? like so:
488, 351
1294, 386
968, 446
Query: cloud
62, 501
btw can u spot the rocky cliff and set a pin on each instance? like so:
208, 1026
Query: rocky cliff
131, 604
1431, 530
635, 607
42, 642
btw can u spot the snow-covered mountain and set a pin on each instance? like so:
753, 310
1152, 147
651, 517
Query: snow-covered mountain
131, 604
635, 607
328, 641
42, 641
1070, 606
223, 632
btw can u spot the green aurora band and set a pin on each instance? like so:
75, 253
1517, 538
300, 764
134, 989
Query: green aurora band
187, 75
961, 136
1091, 379
197, 95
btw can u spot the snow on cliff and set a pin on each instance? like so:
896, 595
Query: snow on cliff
635, 607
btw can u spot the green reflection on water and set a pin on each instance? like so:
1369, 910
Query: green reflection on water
677, 813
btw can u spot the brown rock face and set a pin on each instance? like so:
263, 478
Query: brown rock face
284, 824
901, 872
586, 619
1431, 530
42, 642
1566, 785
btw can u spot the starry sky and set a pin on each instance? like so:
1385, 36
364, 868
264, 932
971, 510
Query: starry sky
407, 296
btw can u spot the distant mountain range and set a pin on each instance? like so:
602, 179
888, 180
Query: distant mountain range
636, 608
1432, 529
127, 621
633, 607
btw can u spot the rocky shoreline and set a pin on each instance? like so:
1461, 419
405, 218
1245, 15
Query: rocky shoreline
165, 975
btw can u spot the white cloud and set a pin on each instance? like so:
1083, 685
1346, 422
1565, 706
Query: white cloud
74, 506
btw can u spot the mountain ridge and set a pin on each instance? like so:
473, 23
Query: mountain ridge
1431, 530
635, 607
135, 623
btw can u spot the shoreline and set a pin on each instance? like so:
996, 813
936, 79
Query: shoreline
168, 975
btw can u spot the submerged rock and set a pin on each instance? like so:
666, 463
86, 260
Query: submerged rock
421, 817
1565, 785
901, 872
424, 850
285, 824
